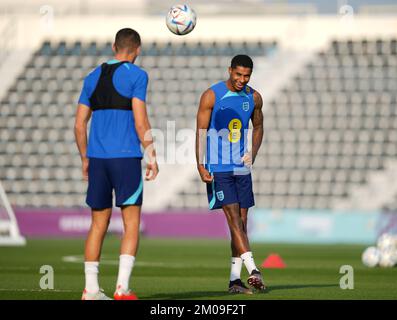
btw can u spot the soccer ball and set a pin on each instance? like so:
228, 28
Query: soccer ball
181, 19
387, 241
371, 257
388, 258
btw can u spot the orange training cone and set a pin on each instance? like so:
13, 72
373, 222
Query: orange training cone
273, 261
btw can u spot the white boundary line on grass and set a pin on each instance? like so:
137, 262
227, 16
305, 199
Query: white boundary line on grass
38, 290
104, 261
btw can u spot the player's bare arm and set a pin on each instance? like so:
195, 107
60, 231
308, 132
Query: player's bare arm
143, 129
257, 123
203, 119
83, 115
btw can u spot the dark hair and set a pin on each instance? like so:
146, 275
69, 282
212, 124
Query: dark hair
242, 60
127, 39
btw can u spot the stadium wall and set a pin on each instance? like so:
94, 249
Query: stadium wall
315, 226
284, 226
76, 223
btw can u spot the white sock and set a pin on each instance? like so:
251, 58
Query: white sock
235, 270
125, 269
249, 262
91, 276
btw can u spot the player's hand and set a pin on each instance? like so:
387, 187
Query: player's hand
152, 170
205, 175
84, 168
247, 159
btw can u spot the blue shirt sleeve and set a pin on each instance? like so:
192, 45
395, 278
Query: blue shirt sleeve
139, 87
84, 96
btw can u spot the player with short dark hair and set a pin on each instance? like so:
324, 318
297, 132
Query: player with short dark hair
114, 95
127, 39
222, 132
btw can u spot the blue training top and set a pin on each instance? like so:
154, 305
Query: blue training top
228, 129
112, 131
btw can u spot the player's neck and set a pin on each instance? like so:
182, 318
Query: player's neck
125, 57
230, 86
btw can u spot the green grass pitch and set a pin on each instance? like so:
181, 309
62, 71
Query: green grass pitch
192, 269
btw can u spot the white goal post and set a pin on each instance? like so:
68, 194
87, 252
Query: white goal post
9, 231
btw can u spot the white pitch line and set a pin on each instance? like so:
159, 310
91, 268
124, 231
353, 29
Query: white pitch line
16, 268
80, 259
38, 290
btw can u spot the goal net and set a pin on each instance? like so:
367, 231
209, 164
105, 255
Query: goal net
9, 231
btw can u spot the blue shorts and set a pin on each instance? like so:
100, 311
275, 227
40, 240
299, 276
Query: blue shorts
123, 175
227, 188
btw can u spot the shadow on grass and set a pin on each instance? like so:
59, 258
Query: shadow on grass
226, 295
